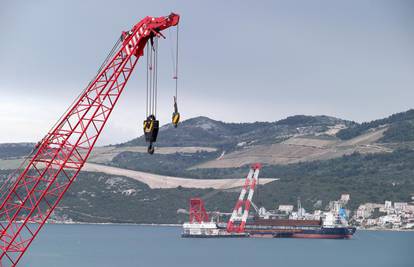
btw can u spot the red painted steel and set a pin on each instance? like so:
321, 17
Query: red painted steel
61, 154
197, 211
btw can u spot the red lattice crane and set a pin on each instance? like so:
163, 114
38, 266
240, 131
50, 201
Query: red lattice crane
198, 211
58, 158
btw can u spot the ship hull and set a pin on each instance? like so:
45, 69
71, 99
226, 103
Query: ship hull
185, 235
290, 228
319, 233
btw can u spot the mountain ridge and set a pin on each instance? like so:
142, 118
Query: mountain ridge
202, 142
204, 131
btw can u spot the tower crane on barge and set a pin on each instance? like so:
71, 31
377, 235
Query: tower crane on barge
29, 199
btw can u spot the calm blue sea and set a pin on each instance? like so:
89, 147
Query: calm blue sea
131, 245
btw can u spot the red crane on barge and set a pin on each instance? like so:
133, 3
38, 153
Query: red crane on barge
29, 199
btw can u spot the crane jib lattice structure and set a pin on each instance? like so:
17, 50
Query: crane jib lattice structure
29, 201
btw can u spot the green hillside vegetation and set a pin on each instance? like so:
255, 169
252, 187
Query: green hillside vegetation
368, 178
164, 164
201, 131
399, 132
303, 120
396, 120
96, 197
14, 150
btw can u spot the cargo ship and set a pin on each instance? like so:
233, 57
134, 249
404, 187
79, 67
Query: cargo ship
330, 227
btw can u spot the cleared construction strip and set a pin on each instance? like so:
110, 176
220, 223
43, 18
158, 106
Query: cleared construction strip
161, 181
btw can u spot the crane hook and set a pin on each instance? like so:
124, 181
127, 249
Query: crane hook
176, 114
151, 127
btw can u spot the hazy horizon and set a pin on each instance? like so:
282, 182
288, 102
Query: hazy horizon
239, 62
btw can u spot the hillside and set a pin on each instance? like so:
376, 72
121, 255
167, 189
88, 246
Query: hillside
203, 131
100, 197
203, 143
294, 139
162, 181
300, 149
368, 178
14, 150
401, 128
314, 157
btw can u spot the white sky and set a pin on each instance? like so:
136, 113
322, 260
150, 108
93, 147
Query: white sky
239, 61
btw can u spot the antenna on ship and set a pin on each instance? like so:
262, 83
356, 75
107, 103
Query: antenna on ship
299, 209
257, 192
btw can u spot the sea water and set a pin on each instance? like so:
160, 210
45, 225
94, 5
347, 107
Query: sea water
132, 245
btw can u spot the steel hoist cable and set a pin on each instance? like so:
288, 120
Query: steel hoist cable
151, 124
176, 114
176, 66
147, 84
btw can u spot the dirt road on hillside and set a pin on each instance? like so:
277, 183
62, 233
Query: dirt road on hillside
161, 181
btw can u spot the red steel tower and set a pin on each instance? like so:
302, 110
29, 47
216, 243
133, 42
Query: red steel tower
197, 211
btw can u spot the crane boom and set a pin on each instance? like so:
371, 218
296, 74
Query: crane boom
60, 156
238, 218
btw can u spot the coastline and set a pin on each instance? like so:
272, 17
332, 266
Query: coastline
385, 229
109, 223
180, 225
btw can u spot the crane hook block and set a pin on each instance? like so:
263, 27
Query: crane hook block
176, 114
151, 127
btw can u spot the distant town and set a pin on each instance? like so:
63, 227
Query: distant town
397, 215
375, 216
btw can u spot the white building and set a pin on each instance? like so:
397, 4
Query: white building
389, 219
409, 209
286, 208
345, 198
364, 211
388, 204
372, 222
335, 206
400, 206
